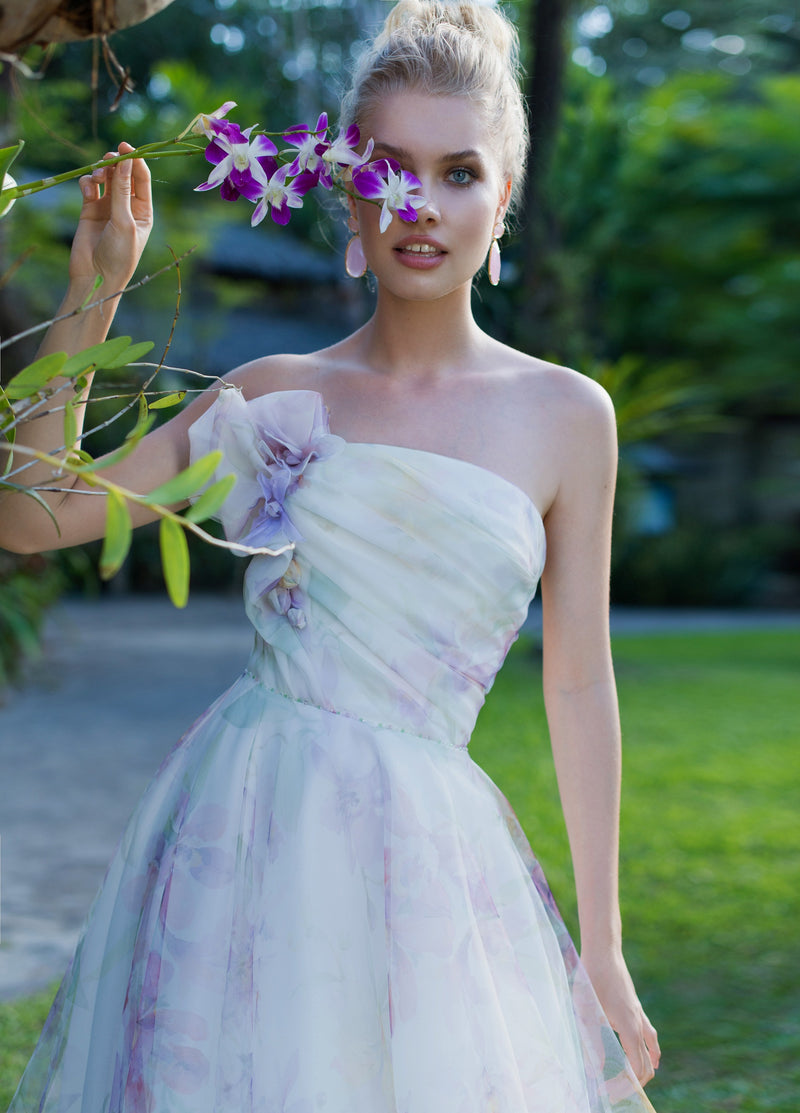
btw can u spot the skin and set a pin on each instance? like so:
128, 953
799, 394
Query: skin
420, 373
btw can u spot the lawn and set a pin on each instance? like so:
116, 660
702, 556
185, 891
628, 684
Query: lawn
710, 863
710, 850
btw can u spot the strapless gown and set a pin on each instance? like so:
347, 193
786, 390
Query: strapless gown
321, 904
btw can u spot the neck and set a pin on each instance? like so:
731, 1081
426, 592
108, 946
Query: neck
421, 340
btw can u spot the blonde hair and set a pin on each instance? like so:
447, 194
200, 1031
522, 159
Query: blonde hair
457, 48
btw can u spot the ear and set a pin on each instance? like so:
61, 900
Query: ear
504, 202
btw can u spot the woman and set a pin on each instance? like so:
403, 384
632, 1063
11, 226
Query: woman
321, 903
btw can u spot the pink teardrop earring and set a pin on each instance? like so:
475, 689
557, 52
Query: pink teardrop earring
494, 253
355, 262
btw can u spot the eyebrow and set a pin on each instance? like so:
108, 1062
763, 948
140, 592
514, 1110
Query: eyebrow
401, 153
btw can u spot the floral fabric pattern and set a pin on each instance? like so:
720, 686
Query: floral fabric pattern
321, 904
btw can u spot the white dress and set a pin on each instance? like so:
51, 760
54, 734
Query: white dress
321, 904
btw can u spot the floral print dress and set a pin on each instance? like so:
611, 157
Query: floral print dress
321, 904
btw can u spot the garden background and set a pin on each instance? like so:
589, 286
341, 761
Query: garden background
657, 249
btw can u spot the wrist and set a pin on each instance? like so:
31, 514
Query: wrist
601, 941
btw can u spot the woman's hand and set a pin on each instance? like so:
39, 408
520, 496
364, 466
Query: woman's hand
114, 225
614, 987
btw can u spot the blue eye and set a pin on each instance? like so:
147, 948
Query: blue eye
461, 176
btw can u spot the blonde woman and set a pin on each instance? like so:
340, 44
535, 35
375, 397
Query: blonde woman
321, 903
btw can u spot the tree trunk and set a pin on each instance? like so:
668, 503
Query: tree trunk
540, 287
44, 21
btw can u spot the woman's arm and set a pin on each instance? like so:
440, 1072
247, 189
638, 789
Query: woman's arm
581, 704
115, 222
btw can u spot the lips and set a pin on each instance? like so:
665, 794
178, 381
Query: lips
419, 247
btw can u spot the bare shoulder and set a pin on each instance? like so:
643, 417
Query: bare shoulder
567, 399
278, 372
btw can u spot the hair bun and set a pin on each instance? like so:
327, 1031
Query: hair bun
428, 16
448, 48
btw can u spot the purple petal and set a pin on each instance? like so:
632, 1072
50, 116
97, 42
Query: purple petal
246, 184
220, 171
409, 180
409, 214
263, 145
281, 213
214, 153
368, 184
306, 181
260, 211
228, 191
268, 165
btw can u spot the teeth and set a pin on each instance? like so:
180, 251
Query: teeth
421, 249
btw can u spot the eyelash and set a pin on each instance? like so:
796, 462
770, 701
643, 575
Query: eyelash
472, 176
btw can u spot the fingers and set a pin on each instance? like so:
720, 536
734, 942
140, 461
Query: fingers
121, 182
651, 1042
642, 1050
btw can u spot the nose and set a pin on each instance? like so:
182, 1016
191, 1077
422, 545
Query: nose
429, 213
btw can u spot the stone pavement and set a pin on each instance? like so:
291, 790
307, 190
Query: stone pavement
120, 680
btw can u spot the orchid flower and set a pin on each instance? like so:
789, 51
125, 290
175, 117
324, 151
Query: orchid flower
311, 146
342, 152
238, 163
202, 125
280, 195
384, 180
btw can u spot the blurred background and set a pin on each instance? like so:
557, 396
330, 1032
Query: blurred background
657, 248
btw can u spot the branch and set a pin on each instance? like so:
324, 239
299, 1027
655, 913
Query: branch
93, 304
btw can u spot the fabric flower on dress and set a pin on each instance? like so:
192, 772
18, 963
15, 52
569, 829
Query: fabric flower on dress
383, 180
292, 434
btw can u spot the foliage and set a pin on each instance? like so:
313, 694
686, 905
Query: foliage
643, 41
28, 585
56, 383
678, 231
710, 863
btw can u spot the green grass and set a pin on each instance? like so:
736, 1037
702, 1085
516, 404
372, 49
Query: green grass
710, 865
710, 850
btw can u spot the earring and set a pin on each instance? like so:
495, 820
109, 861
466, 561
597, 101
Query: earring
494, 253
355, 262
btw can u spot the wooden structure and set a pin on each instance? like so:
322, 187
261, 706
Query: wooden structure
45, 21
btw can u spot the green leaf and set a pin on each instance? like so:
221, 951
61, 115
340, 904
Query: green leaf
186, 482
98, 282
167, 401
130, 355
36, 375
70, 423
7, 157
117, 540
174, 560
211, 500
98, 356
143, 425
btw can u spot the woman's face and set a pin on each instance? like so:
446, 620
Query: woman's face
447, 144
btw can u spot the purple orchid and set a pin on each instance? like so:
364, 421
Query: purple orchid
202, 125
311, 146
342, 152
383, 180
241, 168
277, 196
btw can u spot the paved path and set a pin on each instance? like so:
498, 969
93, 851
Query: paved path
119, 682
